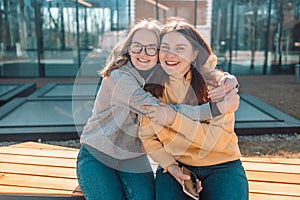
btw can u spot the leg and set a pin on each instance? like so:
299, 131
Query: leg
138, 183
97, 181
167, 187
138, 186
225, 182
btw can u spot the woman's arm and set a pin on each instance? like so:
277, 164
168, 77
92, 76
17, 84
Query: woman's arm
157, 152
128, 93
227, 83
165, 114
214, 135
152, 144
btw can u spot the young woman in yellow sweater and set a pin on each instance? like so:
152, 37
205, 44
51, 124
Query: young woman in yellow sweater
210, 148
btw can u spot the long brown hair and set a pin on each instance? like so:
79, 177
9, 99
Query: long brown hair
119, 56
197, 94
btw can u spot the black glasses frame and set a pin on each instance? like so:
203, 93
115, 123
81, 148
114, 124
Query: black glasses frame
141, 47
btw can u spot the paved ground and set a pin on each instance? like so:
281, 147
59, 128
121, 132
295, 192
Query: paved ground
281, 92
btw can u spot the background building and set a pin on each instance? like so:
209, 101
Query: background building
54, 38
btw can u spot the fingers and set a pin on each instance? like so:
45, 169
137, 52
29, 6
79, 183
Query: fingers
223, 80
233, 91
162, 103
217, 93
149, 107
199, 186
182, 176
177, 173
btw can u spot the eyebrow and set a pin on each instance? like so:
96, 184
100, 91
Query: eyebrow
146, 44
176, 44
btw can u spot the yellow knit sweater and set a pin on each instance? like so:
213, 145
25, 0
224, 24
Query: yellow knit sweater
190, 142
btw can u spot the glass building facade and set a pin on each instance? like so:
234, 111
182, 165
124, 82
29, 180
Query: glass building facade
261, 34
54, 38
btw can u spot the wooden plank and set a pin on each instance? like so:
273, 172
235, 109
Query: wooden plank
28, 181
264, 165
20, 159
274, 188
273, 177
39, 152
270, 167
256, 196
36, 145
35, 191
38, 197
38, 170
292, 161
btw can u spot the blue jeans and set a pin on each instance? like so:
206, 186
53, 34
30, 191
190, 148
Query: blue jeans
99, 181
226, 181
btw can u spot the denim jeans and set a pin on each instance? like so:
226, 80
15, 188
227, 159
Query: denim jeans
100, 181
226, 181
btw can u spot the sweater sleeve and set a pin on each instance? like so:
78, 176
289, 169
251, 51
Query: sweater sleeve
214, 135
127, 92
152, 144
198, 113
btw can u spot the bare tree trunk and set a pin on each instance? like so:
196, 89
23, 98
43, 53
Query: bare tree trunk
253, 32
62, 27
39, 37
6, 31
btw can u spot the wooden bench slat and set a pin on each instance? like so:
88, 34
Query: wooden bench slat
19, 159
292, 161
274, 188
39, 197
273, 177
36, 145
39, 152
38, 182
35, 191
269, 167
255, 196
38, 170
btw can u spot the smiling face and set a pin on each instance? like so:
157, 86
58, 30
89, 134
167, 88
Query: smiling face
147, 40
176, 54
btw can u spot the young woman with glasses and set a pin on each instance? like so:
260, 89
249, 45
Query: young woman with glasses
111, 163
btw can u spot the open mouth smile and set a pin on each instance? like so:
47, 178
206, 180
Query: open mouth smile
142, 60
172, 63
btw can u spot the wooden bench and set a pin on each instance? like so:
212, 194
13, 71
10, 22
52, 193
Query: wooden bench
40, 171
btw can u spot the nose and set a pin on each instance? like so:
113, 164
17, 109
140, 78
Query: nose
170, 53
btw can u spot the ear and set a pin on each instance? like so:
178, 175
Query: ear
195, 54
129, 52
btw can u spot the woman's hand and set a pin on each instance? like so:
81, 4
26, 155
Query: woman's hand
217, 94
162, 114
226, 84
177, 173
230, 103
229, 81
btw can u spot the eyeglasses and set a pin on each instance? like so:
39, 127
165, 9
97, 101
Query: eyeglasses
151, 49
